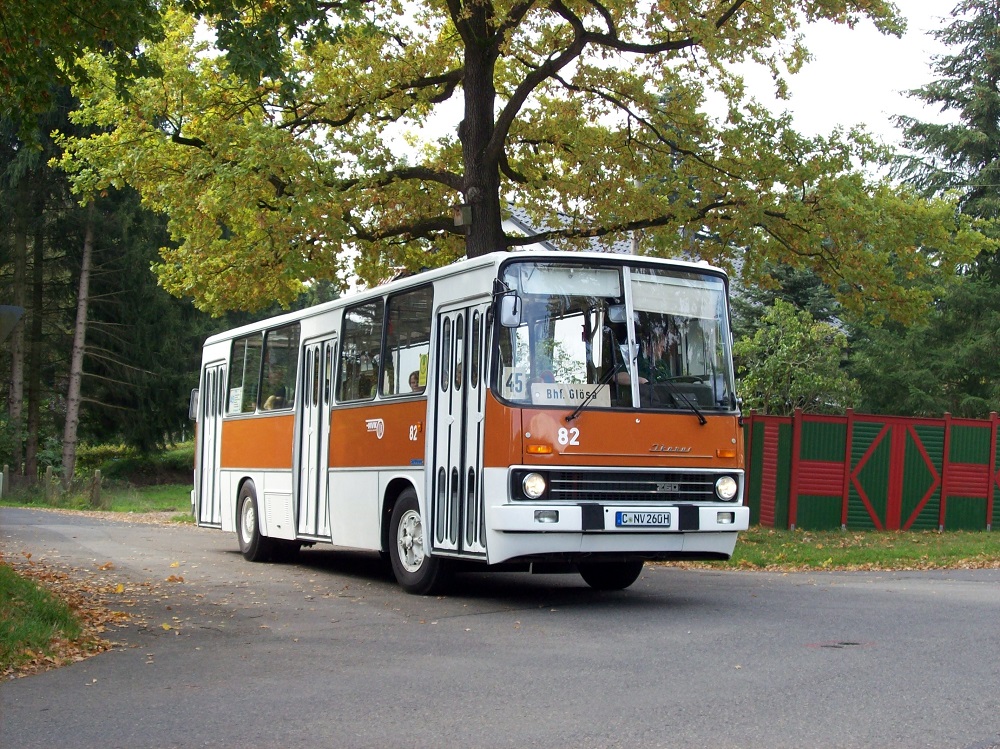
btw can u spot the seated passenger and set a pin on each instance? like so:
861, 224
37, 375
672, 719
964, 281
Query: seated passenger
415, 385
276, 399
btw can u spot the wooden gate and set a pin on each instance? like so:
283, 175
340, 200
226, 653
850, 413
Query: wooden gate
872, 472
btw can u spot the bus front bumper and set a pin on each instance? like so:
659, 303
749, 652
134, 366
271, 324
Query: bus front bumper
588, 532
618, 519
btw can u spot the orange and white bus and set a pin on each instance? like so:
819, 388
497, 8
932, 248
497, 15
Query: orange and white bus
534, 410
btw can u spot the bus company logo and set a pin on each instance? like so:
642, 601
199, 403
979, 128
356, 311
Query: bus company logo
661, 448
377, 426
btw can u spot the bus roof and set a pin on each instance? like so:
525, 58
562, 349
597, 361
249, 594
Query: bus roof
461, 266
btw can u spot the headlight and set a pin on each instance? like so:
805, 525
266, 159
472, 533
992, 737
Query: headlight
726, 488
533, 485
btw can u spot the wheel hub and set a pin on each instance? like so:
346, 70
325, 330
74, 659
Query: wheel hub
410, 541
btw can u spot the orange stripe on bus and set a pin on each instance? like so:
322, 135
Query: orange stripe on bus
258, 442
502, 444
379, 434
600, 438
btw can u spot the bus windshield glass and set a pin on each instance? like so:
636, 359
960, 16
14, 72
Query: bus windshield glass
616, 336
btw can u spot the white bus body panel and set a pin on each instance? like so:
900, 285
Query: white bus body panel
228, 500
279, 520
354, 508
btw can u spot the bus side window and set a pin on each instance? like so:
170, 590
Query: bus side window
407, 342
281, 364
360, 349
244, 374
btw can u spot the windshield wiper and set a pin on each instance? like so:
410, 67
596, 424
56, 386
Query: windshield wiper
593, 393
618, 366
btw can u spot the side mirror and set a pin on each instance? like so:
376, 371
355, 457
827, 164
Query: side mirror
193, 406
616, 313
510, 310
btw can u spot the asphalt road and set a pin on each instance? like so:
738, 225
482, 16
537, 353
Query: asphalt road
329, 652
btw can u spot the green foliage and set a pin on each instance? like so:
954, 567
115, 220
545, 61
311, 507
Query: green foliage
116, 496
792, 362
946, 363
125, 463
278, 158
800, 287
36, 270
142, 351
41, 41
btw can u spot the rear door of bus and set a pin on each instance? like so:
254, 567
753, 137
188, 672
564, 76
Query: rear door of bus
312, 507
211, 406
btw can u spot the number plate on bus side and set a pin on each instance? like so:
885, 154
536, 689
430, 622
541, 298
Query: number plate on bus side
642, 519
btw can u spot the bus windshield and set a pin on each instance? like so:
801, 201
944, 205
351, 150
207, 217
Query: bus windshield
616, 336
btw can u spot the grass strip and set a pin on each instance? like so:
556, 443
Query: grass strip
33, 622
772, 549
116, 498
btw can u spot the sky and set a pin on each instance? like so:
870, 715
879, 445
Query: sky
858, 75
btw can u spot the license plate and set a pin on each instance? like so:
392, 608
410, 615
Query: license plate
642, 519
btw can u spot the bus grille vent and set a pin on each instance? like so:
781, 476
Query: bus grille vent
621, 486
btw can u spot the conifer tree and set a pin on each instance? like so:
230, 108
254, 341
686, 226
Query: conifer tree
947, 362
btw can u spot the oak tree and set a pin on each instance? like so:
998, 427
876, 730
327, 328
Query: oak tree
319, 132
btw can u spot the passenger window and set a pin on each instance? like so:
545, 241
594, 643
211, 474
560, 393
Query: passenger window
244, 374
407, 342
360, 350
281, 360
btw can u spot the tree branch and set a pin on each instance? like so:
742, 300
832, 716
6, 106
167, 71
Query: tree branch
426, 228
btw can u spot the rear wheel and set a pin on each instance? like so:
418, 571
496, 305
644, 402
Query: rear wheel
253, 546
610, 575
414, 568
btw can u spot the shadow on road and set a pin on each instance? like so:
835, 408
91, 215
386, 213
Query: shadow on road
508, 588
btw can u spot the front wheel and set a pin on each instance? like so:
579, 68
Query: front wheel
253, 546
610, 575
415, 569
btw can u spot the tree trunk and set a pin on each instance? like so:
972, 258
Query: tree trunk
35, 355
76, 362
482, 170
16, 395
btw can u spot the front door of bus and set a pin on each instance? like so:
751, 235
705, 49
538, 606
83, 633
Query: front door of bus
457, 495
211, 406
312, 507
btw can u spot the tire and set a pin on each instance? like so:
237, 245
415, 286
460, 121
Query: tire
415, 570
610, 575
253, 546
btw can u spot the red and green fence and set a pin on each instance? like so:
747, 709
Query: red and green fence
868, 472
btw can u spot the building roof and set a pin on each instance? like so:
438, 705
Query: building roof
520, 222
